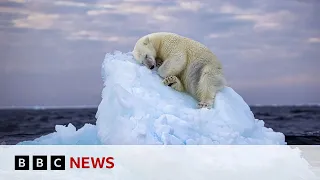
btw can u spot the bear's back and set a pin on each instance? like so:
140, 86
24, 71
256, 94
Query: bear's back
172, 43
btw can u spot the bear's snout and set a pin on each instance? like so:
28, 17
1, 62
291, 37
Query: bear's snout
150, 63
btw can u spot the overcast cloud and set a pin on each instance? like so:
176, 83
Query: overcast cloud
51, 51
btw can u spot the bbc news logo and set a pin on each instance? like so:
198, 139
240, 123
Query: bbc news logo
55, 162
39, 162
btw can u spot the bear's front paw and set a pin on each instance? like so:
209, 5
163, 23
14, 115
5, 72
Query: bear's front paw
204, 105
170, 80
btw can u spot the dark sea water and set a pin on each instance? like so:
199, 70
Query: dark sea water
300, 124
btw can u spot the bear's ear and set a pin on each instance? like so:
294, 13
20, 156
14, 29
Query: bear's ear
146, 40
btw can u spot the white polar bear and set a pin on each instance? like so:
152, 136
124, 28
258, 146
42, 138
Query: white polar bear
185, 64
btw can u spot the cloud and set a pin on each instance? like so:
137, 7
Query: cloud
314, 40
17, 1
191, 5
279, 82
36, 21
220, 35
71, 3
13, 10
264, 45
124, 8
151, 12
229, 8
96, 36
269, 21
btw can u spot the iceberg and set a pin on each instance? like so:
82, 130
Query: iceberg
137, 109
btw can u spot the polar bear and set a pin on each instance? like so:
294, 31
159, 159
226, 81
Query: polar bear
185, 64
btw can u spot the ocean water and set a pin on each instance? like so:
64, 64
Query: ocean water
300, 124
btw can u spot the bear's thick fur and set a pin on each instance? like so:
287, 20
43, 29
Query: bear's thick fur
185, 64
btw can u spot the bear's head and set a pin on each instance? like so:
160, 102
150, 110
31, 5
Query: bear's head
145, 53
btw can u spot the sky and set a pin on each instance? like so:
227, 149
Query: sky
51, 50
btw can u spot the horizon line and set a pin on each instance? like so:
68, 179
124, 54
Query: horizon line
96, 106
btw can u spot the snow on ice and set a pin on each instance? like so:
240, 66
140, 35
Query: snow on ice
136, 108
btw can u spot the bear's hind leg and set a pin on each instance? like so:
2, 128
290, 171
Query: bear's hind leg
208, 86
206, 103
206, 97
174, 82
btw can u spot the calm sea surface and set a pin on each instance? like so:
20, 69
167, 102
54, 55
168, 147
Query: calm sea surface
300, 124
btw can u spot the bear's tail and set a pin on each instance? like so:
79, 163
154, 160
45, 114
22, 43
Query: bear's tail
211, 81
